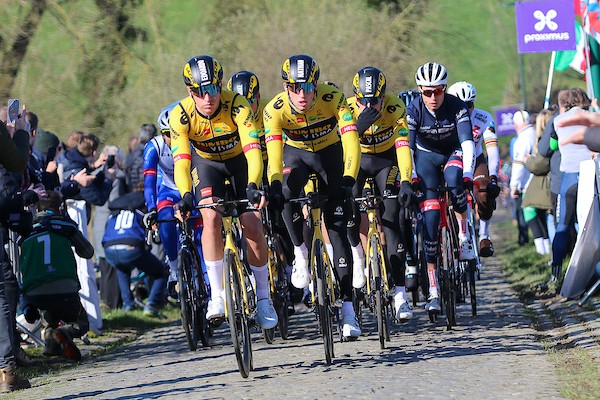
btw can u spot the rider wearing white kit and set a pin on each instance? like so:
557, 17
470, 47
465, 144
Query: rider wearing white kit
485, 178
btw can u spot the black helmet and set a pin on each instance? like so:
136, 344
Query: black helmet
245, 83
203, 74
300, 69
369, 84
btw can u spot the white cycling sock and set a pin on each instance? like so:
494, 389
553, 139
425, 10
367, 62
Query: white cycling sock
301, 251
484, 228
400, 294
463, 232
261, 275
357, 252
214, 269
172, 271
329, 249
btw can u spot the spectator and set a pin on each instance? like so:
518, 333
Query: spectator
125, 249
135, 159
50, 281
14, 154
109, 286
523, 146
71, 143
81, 158
570, 101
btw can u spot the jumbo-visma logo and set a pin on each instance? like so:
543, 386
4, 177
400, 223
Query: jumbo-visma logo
545, 21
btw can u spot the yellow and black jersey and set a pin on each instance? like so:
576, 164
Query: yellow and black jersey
311, 130
222, 136
261, 127
391, 129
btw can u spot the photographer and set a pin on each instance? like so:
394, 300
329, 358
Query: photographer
14, 155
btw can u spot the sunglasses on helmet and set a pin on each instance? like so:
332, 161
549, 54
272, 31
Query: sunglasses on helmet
297, 87
211, 89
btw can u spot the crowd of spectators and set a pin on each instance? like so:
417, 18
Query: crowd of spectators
51, 190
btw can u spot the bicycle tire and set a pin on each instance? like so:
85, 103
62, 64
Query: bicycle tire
203, 296
422, 266
449, 294
282, 295
238, 323
471, 278
188, 300
375, 265
324, 300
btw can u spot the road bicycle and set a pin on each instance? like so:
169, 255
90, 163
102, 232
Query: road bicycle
448, 258
324, 288
278, 281
378, 289
193, 291
469, 271
240, 302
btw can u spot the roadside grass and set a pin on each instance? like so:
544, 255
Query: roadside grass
119, 328
527, 271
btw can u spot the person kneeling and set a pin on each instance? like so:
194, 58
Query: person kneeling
50, 281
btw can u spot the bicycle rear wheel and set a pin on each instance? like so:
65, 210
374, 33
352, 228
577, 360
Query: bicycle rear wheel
202, 297
236, 316
282, 300
471, 279
324, 301
188, 298
448, 280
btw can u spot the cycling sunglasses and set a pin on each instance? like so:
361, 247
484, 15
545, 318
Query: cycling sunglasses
297, 87
368, 100
436, 92
211, 89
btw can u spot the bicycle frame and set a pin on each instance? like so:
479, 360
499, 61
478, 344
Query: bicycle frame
315, 225
373, 231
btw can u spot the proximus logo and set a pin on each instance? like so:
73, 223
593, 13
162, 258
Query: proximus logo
545, 20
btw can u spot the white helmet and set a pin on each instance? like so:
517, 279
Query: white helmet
163, 117
431, 74
464, 91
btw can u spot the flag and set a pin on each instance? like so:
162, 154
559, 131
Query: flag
591, 21
575, 59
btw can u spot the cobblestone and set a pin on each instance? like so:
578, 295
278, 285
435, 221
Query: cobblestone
495, 355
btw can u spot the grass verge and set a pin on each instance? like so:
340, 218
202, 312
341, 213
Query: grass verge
527, 271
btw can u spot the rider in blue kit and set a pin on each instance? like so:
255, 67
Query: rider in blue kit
442, 140
161, 194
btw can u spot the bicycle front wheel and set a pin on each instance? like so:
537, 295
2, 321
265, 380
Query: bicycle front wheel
377, 289
323, 299
236, 315
448, 279
188, 298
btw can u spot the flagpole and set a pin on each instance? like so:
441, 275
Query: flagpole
550, 77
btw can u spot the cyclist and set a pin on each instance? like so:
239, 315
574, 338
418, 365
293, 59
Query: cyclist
214, 138
310, 114
161, 194
441, 135
486, 169
247, 84
385, 153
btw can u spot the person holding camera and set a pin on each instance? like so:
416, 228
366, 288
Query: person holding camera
14, 154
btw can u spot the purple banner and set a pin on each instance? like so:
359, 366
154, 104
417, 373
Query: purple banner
504, 119
544, 26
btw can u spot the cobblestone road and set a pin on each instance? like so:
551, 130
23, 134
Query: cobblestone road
492, 356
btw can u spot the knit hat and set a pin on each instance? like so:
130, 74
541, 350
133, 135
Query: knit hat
45, 140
